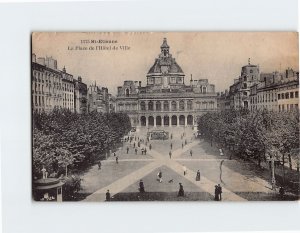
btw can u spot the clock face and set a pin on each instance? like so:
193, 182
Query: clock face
164, 69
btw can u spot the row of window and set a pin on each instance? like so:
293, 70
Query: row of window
166, 105
288, 107
288, 95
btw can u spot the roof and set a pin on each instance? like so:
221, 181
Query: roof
173, 66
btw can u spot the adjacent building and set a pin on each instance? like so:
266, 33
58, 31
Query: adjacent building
276, 92
167, 99
54, 88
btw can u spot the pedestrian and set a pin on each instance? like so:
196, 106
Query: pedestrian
145, 151
136, 151
134, 138
181, 190
99, 165
171, 146
150, 146
198, 176
181, 145
216, 193
220, 192
170, 154
134, 145
159, 175
107, 196
117, 160
281, 192
139, 144
127, 149
171, 136
114, 154
185, 142
184, 170
191, 153
142, 188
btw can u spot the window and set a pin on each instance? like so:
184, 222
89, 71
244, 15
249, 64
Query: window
292, 95
251, 71
245, 78
127, 92
245, 85
174, 106
204, 90
296, 94
189, 105
143, 106
282, 95
166, 105
158, 106
286, 95
150, 106
181, 105
279, 107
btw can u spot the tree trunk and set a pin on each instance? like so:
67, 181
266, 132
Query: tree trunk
66, 170
290, 161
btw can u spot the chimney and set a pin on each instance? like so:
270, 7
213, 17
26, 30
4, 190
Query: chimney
140, 83
33, 57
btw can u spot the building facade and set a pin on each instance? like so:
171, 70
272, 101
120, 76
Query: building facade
80, 96
276, 92
98, 99
239, 92
54, 88
166, 100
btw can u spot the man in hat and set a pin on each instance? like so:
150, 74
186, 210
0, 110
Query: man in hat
181, 191
220, 192
107, 196
142, 188
216, 193
198, 175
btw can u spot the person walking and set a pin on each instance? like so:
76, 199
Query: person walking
185, 142
117, 159
216, 193
181, 190
184, 170
181, 145
142, 188
159, 175
134, 145
99, 165
171, 146
150, 146
220, 192
139, 144
198, 176
170, 154
145, 151
107, 195
127, 149
191, 153
136, 151
114, 154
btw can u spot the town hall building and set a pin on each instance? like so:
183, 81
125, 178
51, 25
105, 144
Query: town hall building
167, 99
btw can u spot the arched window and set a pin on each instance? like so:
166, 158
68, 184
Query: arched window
181, 105
166, 105
150, 106
174, 106
189, 105
127, 92
158, 106
204, 90
143, 106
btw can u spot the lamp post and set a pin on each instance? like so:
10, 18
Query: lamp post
273, 181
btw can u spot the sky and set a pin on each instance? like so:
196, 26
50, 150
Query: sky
216, 56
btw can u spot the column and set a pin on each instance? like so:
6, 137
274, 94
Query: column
146, 121
154, 123
162, 121
177, 121
154, 105
170, 121
185, 120
146, 105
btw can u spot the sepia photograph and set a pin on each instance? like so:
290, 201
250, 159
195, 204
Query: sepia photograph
165, 116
